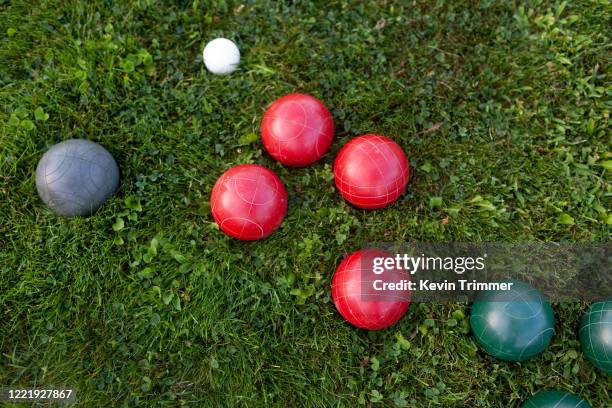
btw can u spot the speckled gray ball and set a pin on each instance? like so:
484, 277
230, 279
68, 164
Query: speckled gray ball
76, 177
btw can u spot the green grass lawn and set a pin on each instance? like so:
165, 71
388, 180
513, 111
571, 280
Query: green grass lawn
502, 107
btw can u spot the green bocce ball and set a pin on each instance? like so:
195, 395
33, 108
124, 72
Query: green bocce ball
555, 399
596, 335
513, 325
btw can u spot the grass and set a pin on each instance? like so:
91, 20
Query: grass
503, 108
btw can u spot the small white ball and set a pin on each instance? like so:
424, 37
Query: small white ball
221, 56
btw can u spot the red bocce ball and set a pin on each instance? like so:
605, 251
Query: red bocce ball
357, 301
371, 171
248, 202
297, 130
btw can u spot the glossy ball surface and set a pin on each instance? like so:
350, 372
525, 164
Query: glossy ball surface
297, 130
75, 177
221, 56
347, 291
513, 325
555, 399
596, 335
371, 171
248, 202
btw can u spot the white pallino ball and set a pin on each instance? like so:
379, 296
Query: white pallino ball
221, 56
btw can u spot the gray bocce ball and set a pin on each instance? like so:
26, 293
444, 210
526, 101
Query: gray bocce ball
76, 177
